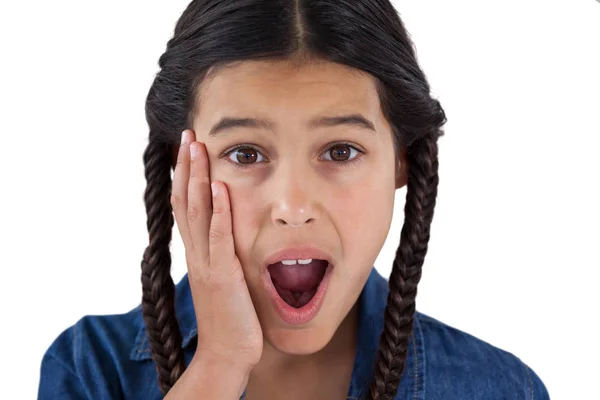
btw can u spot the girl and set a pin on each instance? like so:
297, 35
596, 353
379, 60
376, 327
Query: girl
301, 118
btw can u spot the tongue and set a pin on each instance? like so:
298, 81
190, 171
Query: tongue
298, 277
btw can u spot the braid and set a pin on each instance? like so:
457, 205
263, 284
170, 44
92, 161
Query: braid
158, 298
406, 271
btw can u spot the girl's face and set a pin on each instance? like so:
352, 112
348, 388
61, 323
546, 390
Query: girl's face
286, 188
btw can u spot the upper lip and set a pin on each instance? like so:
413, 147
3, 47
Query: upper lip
302, 252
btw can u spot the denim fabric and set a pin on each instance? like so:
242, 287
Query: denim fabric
108, 357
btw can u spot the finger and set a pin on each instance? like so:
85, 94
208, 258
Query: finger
220, 242
179, 190
199, 207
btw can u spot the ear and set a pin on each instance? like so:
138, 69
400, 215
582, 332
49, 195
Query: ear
401, 169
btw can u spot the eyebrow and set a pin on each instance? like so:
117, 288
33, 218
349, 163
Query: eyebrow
229, 123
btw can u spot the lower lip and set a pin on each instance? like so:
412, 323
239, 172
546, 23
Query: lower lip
303, 315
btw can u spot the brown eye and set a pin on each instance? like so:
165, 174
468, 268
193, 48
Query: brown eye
249, 155
245, 155
341, 153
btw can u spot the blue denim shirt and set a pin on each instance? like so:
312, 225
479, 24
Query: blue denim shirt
108, 357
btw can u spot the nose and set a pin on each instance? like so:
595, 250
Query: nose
294, 198
294, 217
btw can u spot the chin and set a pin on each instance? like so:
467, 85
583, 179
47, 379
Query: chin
299, 342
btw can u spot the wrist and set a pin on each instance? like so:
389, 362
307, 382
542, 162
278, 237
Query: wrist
228, 365
210, 377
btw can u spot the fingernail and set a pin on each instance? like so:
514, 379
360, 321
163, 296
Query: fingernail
215, 189
184, 137
194, 150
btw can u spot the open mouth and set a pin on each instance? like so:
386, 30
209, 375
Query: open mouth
297, 284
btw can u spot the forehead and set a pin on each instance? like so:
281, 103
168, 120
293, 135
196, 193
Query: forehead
283, 91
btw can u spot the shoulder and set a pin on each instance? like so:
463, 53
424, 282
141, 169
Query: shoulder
93, 358
113, 335
459, 365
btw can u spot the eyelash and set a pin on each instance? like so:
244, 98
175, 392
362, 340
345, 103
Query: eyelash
356, 159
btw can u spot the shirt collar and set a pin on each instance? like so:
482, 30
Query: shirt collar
372, 304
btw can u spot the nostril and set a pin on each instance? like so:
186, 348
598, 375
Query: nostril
297, 225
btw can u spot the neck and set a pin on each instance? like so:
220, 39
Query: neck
285, 371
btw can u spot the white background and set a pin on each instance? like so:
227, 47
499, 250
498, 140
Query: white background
513, 257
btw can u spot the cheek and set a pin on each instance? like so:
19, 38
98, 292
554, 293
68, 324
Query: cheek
363, 217
364, 213
245, 221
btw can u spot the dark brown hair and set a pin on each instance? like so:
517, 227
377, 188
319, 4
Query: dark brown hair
364, 34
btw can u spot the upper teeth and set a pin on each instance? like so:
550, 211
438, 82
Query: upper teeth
293, 262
